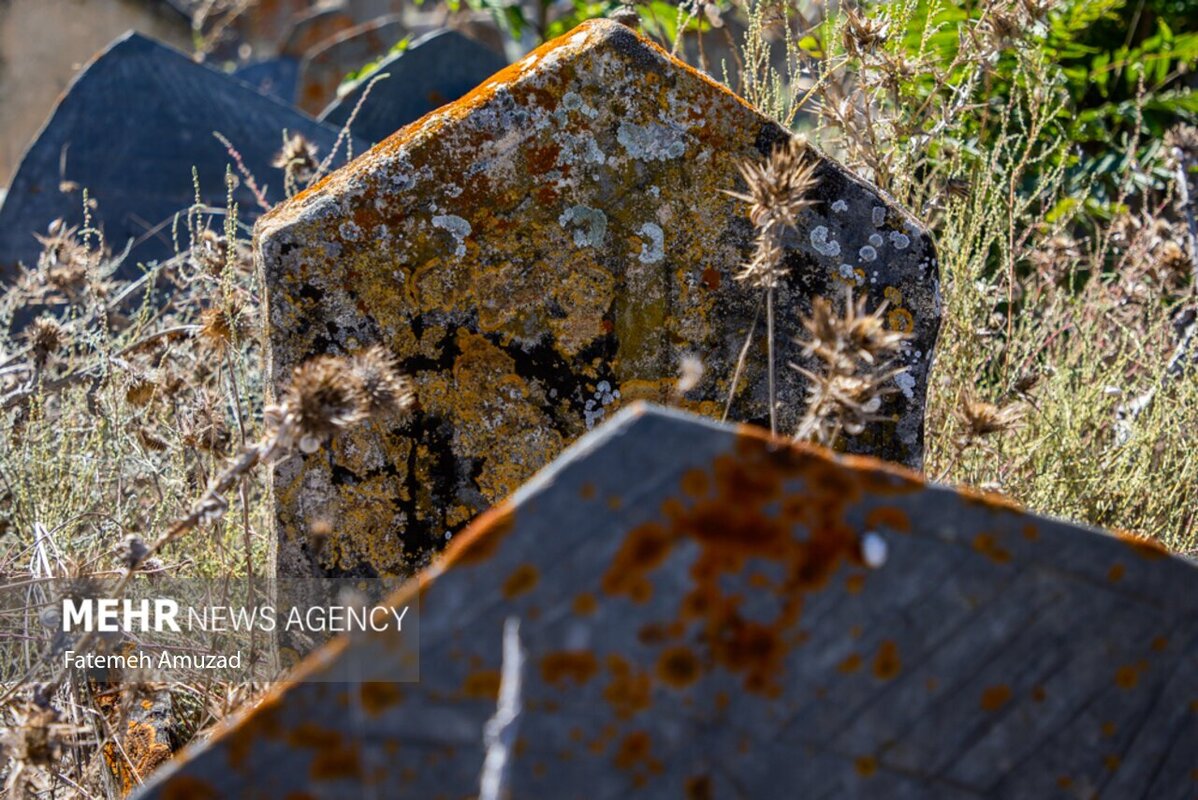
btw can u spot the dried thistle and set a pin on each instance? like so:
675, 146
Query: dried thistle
765, 269
855, 351
779, 188
298, 161
324, 397
982, 419
46, 337
863, 35
222, 326
385, 389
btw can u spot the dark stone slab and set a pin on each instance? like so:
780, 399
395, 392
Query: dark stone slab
436, 69
323, 69
708, 612
129, 129
276, 77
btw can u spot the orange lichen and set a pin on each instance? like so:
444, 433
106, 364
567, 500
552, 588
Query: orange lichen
482, 685
851, 663
188, 787
1128, 677
564, 666
995, 697
584, 604
629, 690
888, 517
987, 544
1160, 644
522, 581
865, 766
1146, 548
887, 663
644, 549
378, 696
698, 787
678, 667
635, 753
1039, 694
481, 541
1116, 573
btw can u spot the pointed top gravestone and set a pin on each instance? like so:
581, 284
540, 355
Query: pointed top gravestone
711, 613
536, 254
129, 130
434, 70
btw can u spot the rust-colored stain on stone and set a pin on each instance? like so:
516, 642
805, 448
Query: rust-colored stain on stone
539, 253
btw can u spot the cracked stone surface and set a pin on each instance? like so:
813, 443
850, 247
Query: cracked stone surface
539, 253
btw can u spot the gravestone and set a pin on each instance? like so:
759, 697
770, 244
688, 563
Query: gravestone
549, 247
435, 70
130, 129
322, 69
276, 77
314, 27
709, 612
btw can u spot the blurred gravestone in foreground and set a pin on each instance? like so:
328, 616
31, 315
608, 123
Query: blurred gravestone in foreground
129, 130
548, 247
700, 621
435, 70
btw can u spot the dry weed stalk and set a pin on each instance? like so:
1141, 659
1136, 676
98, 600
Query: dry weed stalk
855, 353
778, 191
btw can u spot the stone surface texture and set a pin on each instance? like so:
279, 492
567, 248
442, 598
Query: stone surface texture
701, 622
540, 252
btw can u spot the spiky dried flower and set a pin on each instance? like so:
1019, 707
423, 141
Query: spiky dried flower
64, 261
324, 397
46, 337
222, 326
863, 35
297, 159
385, 389
982, 419
856, 356
779, 188
765, 269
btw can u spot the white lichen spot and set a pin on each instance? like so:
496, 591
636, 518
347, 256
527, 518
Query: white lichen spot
349, 231
868, 253
652, 142
879, 216
876, 239
457, 227
590, 225
596, 405
840, 206
906, 383
873, 550
653, 250
901, 241
654, 191
821, 243
572, 101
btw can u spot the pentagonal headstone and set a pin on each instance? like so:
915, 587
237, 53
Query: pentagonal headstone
325, 67
434, 70
543, 250
130, 129
709, 613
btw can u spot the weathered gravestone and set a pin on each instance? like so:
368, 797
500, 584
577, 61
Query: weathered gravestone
315, 27
435, 70
130, 129
539, 252
323, 68
711, 613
